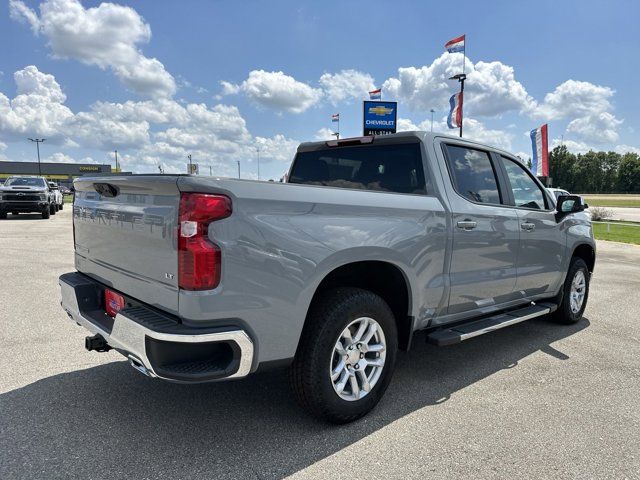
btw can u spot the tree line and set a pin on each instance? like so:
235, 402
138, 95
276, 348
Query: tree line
594, 172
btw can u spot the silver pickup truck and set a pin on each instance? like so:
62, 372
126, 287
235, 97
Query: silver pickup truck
372, 239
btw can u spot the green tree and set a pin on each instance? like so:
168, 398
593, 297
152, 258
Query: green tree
628, 178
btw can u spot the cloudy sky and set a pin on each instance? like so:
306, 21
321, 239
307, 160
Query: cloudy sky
160, 80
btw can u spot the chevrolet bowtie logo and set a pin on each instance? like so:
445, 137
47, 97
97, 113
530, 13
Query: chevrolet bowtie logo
380, 110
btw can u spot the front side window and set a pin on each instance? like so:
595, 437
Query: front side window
526, 191
472, 174
386, 168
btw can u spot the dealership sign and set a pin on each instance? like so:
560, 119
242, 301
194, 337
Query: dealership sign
379, 118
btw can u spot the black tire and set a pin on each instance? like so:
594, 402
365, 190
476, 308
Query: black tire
46, 213
52, 208
565, 314
62, 205
57, 207
328, 317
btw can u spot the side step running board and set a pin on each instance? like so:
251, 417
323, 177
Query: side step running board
474, 328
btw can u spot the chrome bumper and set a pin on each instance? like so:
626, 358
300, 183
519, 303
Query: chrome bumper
130, 337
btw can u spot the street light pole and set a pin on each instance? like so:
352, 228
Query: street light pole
258, 150
190, 167
432, 111
238, 162
38, 142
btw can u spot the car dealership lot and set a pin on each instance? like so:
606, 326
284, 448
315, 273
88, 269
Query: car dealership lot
533, 400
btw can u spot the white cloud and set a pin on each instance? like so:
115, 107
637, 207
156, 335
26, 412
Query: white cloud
325, 134
573, 99
627, 149
472, 129
476, 130
20, 12
572, 145
59, 157
147, 133
229, 88
276, 90
406, 125
278, 148
346, 85
597, 128
491, 88
38, 109
106, 36
93, 129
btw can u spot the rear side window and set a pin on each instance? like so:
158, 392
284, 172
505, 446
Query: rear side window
386, 168
472, 174
526, 192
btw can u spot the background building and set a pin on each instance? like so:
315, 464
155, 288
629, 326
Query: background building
61, 173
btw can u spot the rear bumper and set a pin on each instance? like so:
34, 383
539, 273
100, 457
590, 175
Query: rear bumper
155, 343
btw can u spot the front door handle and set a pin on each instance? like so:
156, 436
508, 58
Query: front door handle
467, 224
528, 226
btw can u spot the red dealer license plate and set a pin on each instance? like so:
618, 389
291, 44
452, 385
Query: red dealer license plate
113, 302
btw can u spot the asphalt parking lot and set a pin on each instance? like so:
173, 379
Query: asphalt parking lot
535, 400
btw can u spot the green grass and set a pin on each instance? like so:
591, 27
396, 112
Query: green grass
612, 202
617, 233
68, 198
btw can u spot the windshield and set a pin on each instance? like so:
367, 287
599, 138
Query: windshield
25, 182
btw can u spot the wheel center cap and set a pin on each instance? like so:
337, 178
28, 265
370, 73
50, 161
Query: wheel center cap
354, 356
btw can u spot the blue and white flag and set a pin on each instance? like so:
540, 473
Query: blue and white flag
335, 117
375, 94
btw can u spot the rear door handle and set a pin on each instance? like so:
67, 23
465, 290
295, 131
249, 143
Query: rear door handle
528, 226
467, 224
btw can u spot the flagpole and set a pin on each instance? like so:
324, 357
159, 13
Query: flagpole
462, 100
464, 55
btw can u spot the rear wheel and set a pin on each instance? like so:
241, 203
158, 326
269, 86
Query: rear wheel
575, 293
46, 213
52, 208
346, 355
62, 205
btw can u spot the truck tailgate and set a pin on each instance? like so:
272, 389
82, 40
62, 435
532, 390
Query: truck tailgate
126, 235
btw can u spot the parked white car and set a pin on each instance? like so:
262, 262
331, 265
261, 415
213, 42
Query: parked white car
57, 195
557, 193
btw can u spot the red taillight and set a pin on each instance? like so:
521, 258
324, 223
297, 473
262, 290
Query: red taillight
199, 260
113, 302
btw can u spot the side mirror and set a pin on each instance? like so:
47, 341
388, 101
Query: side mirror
569, 204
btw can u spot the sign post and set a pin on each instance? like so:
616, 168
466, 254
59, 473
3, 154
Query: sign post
379, 118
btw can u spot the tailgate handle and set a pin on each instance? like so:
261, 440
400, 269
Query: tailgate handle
106, 189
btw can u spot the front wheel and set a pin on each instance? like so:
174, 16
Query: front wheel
575, 293
346, 355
